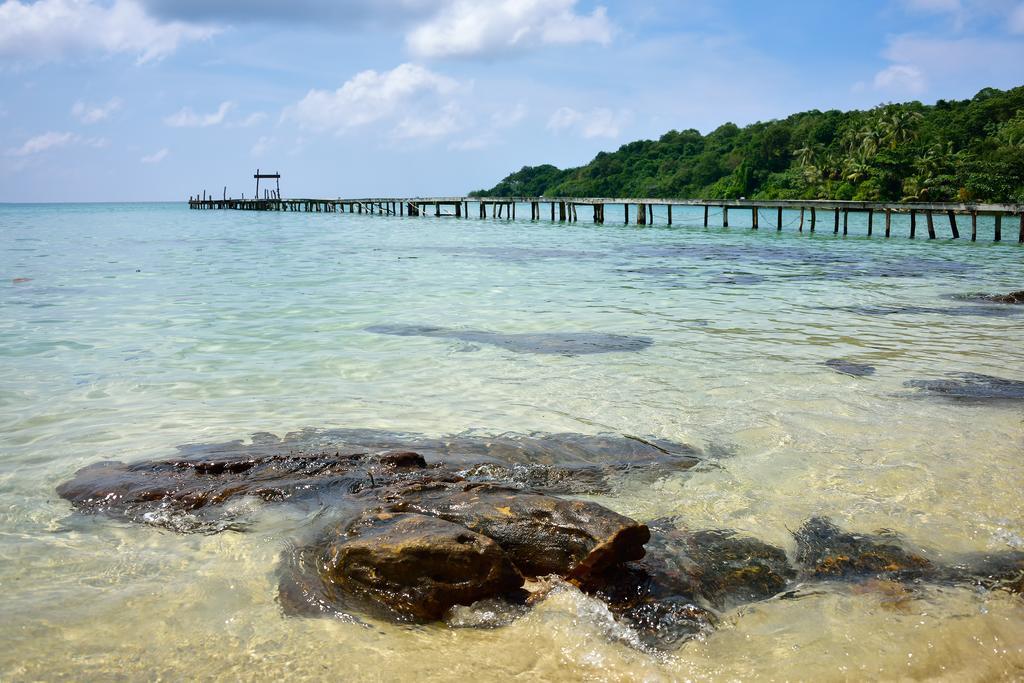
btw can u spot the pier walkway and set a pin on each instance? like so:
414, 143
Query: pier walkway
763, 213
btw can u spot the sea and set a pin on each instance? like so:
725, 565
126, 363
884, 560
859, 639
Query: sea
810, 370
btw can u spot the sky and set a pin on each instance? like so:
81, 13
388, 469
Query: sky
150, 100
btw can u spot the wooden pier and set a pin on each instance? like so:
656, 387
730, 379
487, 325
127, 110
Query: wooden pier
763, 213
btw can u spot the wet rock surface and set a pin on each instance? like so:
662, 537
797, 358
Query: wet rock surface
972, 387
551, 343
411, 567
848, 367
982, 298
411, 537
827, 552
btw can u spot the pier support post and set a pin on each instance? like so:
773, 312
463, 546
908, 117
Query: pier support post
871, 221
641, 214
814, 218
888, 222
913, 224
952, 225
625, 208
931, 225
669, 214
552, 212
999, 228
846, 222
836, 230
801, 228
725, 216
754, 214
561, 212
778, 223
706, 216
974, 226
1020, 237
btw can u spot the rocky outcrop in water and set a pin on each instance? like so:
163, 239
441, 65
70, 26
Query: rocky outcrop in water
414, 537
972, 387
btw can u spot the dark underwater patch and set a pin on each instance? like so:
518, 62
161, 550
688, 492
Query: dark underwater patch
972, 386
550, 343
848, 367
1013, 298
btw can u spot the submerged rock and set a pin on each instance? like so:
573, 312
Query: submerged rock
827, 552
420, 541
557, 343
1011, 298
972, 386
848, 367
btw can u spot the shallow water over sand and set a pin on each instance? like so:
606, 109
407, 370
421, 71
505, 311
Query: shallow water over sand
142, 327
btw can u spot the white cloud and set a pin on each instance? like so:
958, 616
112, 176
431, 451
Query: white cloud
253, 119
49, 30
88, 113
597, 123
483, 27
903, 79
446, 122
1016, 22
506, 118
155, 157
261, 146
186, 118
372, 96
54, 140
41, 143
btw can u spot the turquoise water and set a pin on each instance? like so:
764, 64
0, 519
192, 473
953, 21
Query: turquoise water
130, 329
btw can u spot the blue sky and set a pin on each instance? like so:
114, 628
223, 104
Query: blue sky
159, 99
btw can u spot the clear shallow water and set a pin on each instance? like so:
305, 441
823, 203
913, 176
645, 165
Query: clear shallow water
148, 326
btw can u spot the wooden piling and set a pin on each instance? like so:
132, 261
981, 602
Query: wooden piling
778, 220
999, 228
846, 222
801, 228
754, 214
625, 208
913, 224
931, 225
974, 226
836, 230
706, 216
670, 214
814, 218
725, 216
871, 221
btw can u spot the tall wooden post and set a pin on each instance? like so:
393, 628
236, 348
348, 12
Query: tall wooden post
561, 212
669, 214
814, 217
846, 222
999, 228
706, 216
725, 216
754, 214
801, 228
974, 226
836, 230
625, 208
931, 225
871, 221
913, 224
1020, 237
778, 220
888, 222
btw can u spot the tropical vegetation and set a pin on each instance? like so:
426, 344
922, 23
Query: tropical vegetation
969, 150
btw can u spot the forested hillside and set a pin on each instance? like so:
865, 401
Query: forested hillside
970, 150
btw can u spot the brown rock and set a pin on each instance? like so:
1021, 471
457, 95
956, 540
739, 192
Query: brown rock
541, 534
414, 567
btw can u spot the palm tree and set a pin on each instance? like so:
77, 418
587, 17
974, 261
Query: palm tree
900, 127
